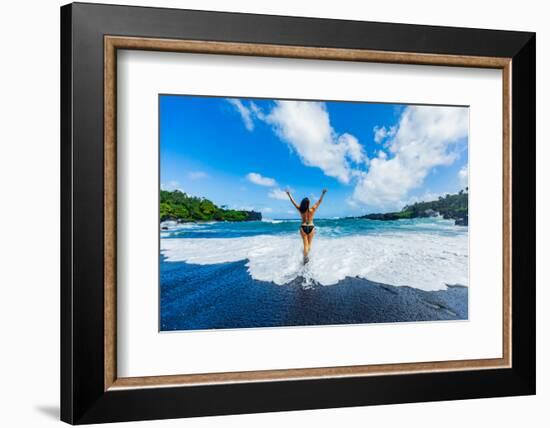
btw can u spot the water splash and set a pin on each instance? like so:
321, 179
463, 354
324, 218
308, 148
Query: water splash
421, 260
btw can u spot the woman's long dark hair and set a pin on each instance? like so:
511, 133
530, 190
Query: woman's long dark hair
304, 205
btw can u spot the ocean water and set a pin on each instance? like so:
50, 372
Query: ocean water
427, 254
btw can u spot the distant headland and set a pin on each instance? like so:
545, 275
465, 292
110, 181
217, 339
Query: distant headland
453, 207
179, 206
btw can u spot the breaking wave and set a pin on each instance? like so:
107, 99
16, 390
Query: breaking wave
419, 260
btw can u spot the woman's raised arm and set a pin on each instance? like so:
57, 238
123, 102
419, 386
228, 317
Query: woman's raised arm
320, 200
292, 200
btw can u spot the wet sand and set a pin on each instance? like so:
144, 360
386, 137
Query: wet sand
199, 297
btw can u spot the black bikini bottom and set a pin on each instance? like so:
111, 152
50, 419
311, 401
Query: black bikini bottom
307, 229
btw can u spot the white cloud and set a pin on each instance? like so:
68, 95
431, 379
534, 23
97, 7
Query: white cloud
238, 206
267, 210
278, 194
245, 112
353, 149
257, 111
197, 175
423, 140
171, 186
275, 192
306, 128
463, 176
352, 202
260, 180
381, 133
427, 196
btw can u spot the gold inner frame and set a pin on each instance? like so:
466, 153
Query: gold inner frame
113, 43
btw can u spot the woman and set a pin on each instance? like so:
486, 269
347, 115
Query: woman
307, 229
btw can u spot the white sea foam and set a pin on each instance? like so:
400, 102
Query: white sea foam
270, 220
419, 260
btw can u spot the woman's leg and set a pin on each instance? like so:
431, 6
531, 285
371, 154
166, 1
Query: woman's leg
305, 242
310, 239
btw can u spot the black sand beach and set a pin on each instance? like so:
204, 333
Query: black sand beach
199, 297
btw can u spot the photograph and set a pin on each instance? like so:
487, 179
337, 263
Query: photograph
282, 212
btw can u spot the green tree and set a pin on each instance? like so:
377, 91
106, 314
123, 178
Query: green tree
177, 205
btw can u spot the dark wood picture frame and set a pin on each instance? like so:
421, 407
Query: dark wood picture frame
90, 37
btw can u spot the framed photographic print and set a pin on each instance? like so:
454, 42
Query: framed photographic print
265, 213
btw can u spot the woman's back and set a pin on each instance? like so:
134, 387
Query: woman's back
307, 217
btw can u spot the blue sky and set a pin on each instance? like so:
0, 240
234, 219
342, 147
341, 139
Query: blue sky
243, 153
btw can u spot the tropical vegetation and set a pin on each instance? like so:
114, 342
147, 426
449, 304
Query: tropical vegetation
179, 206
449, 206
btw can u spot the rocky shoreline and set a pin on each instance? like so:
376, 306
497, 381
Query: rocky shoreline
252, 216
450, 207
460, 220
